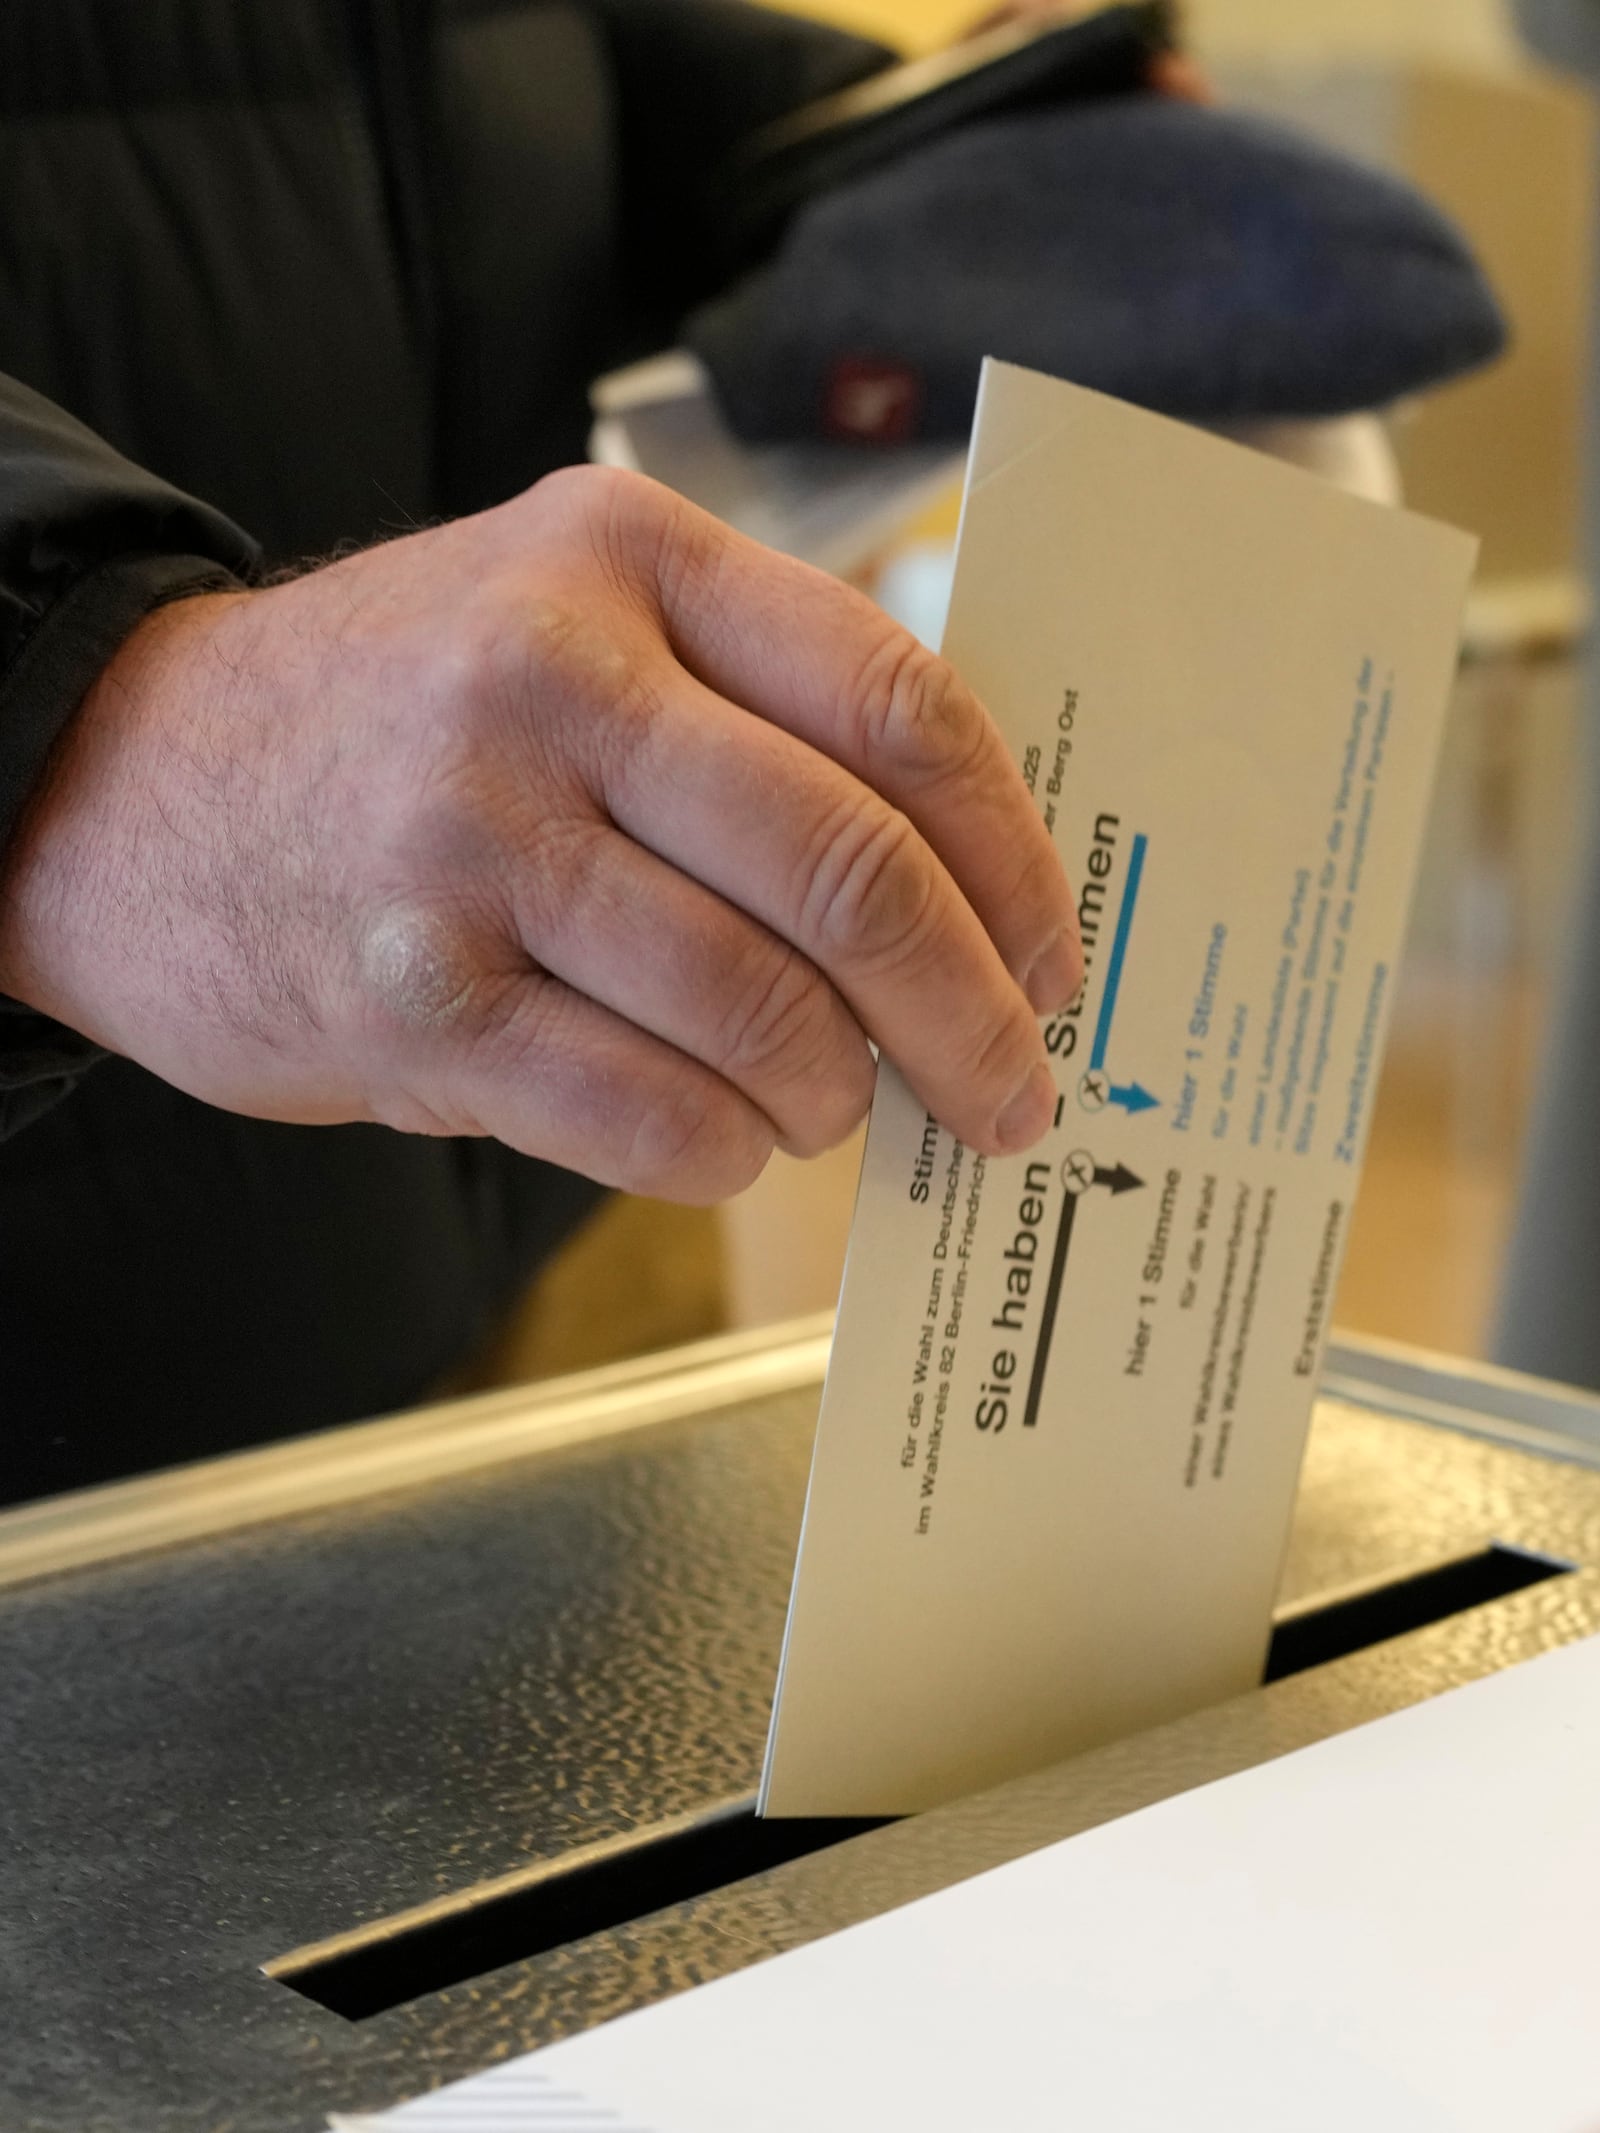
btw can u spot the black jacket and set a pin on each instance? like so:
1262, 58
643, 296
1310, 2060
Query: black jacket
335, 267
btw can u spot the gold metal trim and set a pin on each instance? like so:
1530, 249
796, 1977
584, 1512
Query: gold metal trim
215, 1496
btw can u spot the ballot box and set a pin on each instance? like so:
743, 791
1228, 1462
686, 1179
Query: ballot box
343, 1768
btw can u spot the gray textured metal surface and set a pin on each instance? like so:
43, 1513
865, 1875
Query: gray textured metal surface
212, 1756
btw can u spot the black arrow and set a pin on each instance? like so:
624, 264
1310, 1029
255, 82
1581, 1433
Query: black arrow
1119, 1179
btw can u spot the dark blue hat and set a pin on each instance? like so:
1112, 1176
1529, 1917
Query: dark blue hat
1204, 263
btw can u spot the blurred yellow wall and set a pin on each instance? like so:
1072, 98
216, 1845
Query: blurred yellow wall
1461, 30
1471, 32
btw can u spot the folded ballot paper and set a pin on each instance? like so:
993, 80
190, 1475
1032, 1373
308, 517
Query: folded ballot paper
1069, 1389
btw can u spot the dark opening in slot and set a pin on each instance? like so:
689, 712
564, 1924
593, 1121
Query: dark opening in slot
1333, 1629
562, 1900
612, 1884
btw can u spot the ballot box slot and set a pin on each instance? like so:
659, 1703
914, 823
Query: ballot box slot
547, 1906
1323, 1629
623, 1879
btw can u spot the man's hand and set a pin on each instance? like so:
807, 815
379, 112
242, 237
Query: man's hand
585, 823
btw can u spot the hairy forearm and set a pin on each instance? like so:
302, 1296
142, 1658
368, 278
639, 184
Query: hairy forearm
584, 823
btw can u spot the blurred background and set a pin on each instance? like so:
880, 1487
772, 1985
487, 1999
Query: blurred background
1446, 92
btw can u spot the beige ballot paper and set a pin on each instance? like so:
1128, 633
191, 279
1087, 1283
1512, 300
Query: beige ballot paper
1069, 1390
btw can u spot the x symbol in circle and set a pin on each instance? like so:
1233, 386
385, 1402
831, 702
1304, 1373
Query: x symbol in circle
1077, 1172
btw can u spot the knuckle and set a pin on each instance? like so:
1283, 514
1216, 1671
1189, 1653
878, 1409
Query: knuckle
835, 1109
871, 893
697, 1144
791, 1041
590, 494
554, 674
479, 672
916, 714
781, 1022
629, 523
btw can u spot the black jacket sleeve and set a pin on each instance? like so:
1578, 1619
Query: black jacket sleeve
89, 544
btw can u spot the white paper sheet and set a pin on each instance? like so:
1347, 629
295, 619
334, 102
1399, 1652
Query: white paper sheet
1395, 1931
1069, 1390
836, 505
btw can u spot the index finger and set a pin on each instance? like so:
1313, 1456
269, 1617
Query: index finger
807, 653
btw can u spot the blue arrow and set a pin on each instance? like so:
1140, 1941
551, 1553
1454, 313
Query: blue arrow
1133, 1098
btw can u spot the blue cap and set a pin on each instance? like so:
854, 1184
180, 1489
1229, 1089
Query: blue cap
1204, 263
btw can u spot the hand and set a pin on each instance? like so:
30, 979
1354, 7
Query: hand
585, 823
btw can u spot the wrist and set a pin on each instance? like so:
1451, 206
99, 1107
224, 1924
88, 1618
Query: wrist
70, 870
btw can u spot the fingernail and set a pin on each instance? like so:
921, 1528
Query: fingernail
1025, 1117
1055, 974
